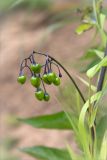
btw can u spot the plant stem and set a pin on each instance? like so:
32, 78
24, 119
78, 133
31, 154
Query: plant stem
102, 74
90, 112
90, 108
64, 71
95, 13
92, 129
99, 88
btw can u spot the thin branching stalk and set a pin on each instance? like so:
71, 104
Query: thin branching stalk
53, 59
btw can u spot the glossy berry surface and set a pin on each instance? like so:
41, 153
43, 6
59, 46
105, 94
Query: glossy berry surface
39, 95
51, 76
56, 82
35, 81
21, 79
45, 79
40, 74
36, 68
46, 97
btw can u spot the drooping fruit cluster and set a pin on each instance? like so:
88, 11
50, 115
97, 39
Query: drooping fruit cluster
40, 75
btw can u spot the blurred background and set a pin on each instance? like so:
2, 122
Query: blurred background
43, 25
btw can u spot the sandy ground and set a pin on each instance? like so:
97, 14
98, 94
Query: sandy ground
18, 39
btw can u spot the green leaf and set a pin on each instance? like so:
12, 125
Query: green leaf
103, 152
102, 20
99, 53
47, 153
52, 121
100, 130
83, 27
16, 3
82, 129
92, 71
4, 5
93, 62
93, 117
104, 91
90, 54
93, 88
104, 11
73, 155
95, 97
93, 53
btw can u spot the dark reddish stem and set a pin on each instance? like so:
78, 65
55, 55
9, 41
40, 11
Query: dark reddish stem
102, 74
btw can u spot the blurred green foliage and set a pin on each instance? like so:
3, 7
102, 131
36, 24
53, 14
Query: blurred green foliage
29, 4
12, 121
6, 145
5, 4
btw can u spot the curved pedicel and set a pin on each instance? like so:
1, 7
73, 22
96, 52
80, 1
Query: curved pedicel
53, 59
47, 70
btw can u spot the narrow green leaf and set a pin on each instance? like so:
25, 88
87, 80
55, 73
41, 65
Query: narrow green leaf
99, 53
90, 54
104, 91
83, 27
47, 153
82, 129
52, 121
95, 97
104, 11
92, 117
73, 121
93, 88
90, 65
100, 130
103, 152
73, 155
92, 71
102, 20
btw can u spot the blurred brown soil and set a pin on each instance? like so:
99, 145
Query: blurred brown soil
20, 34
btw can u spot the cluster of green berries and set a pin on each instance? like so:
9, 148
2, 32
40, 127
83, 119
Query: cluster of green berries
39, 77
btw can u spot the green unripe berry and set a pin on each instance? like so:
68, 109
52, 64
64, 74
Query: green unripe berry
45, 79
21, 79
46, 97
36, 68
32, 67
56, 82
35, 81
51, 76
39, 95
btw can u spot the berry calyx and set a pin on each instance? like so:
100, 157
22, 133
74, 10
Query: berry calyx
21, 79
35, 81
39, 94
36, 68
56, 82
46, 97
